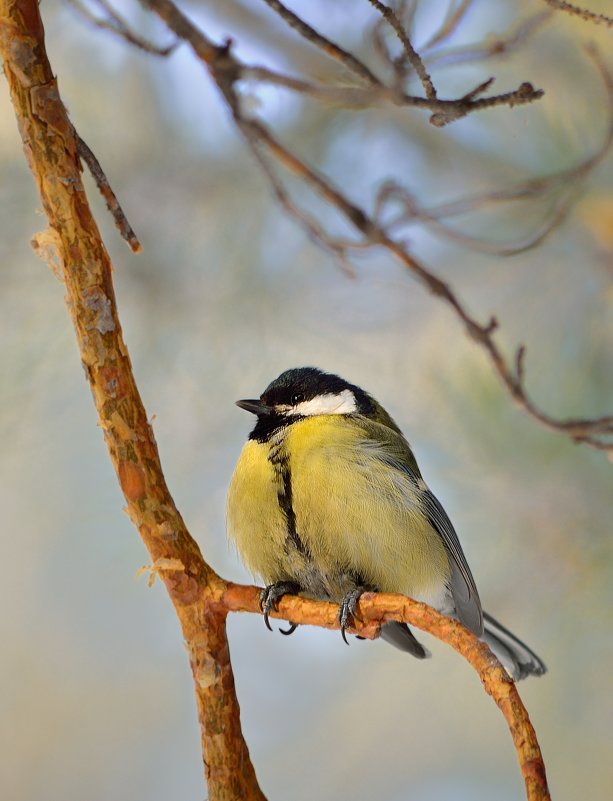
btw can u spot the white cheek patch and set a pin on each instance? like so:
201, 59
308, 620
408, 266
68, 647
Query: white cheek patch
342, 403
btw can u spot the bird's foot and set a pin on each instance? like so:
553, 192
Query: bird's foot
270, 597
346, 609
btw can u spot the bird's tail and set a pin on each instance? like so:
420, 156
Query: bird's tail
518, 660
401, 636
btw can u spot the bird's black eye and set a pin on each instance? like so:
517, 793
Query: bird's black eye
297, 398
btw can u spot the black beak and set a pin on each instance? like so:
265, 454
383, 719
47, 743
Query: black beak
255, 407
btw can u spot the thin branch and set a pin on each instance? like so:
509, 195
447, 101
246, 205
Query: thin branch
582, 13
400, 65
412, 56
112, 204
114, 23
362, 97
492, 47
446, 110
568, 182
455, 15
312, 227
329, 47
432, 219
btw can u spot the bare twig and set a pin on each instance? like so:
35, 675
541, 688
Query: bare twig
114, 23
433, 218
583, 13
568, 182
446, 110
455, 15
312, 227
326, 45
412, 56
112, 204
361, 97
492, 47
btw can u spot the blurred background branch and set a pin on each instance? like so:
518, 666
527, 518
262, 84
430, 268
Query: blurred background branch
227, 70
581, 12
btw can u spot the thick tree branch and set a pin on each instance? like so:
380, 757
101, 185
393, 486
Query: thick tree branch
51, 149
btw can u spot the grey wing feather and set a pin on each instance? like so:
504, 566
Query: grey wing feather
401, 636
463, 588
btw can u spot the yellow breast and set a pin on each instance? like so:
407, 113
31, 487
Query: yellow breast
355, 514
255, 521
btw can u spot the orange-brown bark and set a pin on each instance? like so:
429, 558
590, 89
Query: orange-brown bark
375, 609
51, 150
200, 597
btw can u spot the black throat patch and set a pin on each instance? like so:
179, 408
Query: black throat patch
269, 425
280, 462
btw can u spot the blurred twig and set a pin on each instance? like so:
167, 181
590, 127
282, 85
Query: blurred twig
583, 13
410, 54
112, 204
446, 111
567, 182
493, 47
112, 21
455, 14
329, 47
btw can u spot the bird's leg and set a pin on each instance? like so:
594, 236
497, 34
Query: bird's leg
346, 609
270, 597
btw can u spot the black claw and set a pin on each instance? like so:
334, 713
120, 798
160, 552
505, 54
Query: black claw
292, 628
270, 597
346, 609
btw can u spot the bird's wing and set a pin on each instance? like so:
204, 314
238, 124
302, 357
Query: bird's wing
395, 451
463, 587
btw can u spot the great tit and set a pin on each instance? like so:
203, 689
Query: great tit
327, 500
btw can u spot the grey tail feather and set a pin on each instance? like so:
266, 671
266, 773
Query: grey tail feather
515, 656
400, 636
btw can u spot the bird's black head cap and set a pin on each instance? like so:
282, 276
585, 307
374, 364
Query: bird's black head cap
294, 387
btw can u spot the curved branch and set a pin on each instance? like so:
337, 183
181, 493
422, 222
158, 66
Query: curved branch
377, 608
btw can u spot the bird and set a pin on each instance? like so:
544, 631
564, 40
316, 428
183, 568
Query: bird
327, 501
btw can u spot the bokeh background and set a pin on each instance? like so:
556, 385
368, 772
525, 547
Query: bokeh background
95, 692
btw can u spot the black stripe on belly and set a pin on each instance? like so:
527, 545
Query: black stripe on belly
284, 496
